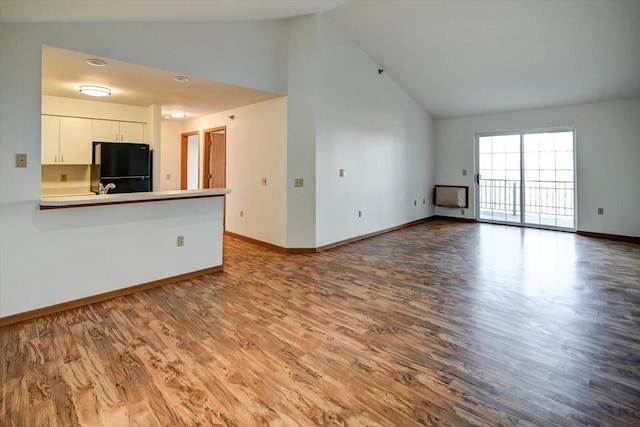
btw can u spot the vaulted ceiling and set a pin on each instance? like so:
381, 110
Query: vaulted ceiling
454, 57
468, 57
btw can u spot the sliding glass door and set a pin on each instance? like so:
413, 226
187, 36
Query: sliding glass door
527, 178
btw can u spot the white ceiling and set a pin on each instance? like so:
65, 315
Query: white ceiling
455, 57
131, 84
467, 57
158, 10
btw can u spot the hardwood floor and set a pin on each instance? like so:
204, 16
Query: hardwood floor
443, 323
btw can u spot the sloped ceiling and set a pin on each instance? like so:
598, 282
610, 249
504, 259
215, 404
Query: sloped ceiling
454, 57
467, 57
158, 10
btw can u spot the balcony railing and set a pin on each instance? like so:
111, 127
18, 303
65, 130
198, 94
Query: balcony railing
553, 198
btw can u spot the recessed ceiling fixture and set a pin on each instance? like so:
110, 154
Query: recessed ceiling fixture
177, 114
95, 90
181, 79
96, 62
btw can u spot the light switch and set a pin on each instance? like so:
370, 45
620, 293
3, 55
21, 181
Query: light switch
464, 172
21, 160
343, 173
264, 181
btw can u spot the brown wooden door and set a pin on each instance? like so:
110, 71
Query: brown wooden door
215, 170
218, 172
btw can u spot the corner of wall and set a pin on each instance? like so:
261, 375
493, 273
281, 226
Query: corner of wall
301, 131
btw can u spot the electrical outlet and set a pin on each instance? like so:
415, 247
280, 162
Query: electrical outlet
264, 181
298, 182
415, 203
168, 176
21, 160
63, 177
464, 172
180, 240
343, 173
462, 211
359, 214
424, 201
600, 211
241, 214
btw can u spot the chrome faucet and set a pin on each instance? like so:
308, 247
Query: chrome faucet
104, 189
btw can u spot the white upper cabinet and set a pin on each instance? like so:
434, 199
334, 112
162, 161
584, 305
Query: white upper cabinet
106, 131
66, 141
114, 131
75, 141
131, 132
50, 148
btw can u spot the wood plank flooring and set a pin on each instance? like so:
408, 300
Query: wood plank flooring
443, 323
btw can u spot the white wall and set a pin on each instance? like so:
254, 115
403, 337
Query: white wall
193, 148
608, 158
47, 257
256, 148
153, 137
60, 106
171, 152
367, 125
303, 69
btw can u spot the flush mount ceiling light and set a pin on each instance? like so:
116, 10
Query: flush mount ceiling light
95, 90
181, 79
177, 114
96, 62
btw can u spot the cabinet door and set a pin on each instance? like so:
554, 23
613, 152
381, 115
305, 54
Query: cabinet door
75, 141
106, 131
131, 132
50, 140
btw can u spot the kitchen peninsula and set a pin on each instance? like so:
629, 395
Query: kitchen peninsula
60, 202
117, 244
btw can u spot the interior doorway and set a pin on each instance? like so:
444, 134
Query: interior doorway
527, 178
189, 161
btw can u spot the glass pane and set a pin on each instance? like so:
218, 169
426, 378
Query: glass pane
513, 175
532, 160
564, 175
499, 144
513, 160
484, 145
499, 189
547, 160
485, 161
548, 179
564, 160
547, 141
547, 176
564, 141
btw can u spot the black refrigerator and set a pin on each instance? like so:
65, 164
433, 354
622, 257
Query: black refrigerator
128, 166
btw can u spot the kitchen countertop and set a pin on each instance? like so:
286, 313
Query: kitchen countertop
72, 201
